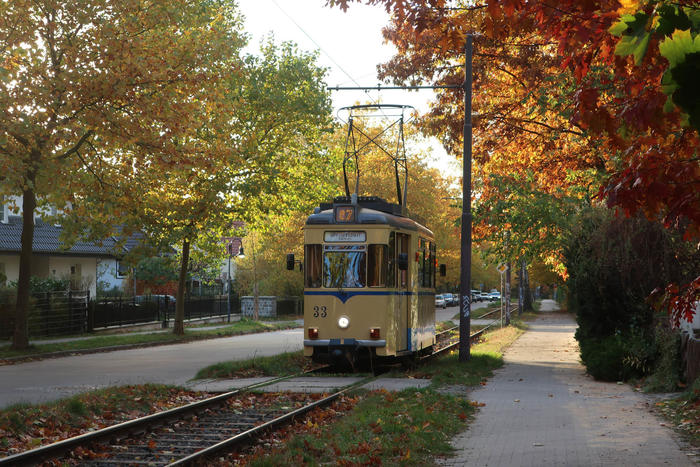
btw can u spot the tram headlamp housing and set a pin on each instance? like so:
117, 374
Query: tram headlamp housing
375, 333
313, 333
343, 322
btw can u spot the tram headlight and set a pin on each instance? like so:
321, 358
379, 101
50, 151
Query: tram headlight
375, 333
313, 333
343, 322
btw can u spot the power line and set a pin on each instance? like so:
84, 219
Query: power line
322, 50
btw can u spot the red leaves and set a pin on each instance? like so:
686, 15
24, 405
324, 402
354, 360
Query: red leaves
678, 300
659, 180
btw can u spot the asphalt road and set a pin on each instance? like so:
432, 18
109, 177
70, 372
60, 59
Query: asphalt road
55, 378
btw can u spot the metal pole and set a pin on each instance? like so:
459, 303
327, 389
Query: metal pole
466, 259
228, 289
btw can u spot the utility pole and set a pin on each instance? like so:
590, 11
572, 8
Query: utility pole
466, 256
507, 293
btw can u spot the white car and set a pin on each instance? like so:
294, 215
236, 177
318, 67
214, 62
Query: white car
440, 301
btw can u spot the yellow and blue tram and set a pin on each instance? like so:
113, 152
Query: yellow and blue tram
369, 282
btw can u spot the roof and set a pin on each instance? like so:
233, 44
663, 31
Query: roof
46, 240
370, 210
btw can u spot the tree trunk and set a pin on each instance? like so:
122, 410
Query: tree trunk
520, 287
179, 327
20, 338
527, 294
506, 294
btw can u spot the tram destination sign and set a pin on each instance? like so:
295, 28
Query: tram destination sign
343, 237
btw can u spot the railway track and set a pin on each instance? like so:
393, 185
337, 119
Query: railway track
443, 337
181, 436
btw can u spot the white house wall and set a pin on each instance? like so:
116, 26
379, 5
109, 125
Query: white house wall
60, 268
11, 265
107, 273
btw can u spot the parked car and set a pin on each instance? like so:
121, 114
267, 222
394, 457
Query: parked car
154, 298
450, 299
440, 301
494, 296
476, 296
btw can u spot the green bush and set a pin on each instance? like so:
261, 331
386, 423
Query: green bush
604, 357
614, 263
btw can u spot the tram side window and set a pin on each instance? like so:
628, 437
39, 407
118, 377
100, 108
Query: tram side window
312, 265
376, 265
391, 261
426, 266
433, 263
421, 262
402, 247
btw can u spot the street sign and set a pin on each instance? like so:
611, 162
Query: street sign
502, 268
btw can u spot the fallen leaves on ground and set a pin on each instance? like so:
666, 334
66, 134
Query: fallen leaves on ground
26, 427
683, 413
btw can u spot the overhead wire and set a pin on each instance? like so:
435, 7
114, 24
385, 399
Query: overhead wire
374, 101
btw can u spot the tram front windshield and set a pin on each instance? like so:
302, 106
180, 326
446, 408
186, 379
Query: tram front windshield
344, 266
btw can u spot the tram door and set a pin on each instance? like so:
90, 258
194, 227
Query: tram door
404, 301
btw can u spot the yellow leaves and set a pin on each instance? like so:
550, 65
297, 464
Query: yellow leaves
311, 424
630, 7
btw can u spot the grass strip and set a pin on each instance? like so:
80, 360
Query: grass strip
276, 365
245, 326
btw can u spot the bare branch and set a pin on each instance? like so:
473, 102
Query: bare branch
76, 146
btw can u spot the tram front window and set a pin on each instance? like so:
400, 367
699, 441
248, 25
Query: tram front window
344, 266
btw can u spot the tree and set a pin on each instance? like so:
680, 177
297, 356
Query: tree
244, 154
577, 92
78, 80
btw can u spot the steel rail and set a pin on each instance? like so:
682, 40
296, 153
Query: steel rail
456, 344
60, 447
245, 437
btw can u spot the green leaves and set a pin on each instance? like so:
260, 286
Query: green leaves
678, 46
634, 36
678, 30
679, 82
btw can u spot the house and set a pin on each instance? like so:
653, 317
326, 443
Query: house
84, 263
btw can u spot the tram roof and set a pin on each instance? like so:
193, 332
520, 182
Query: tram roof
370, 211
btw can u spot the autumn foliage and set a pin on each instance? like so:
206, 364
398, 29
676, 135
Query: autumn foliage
593, 99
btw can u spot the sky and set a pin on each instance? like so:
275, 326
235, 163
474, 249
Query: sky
350, 44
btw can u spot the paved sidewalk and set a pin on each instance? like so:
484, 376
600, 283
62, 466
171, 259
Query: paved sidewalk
541, 409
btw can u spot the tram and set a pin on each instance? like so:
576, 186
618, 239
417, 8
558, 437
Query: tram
369, 282
369, 269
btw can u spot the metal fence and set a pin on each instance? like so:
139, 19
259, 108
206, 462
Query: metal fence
50, 314
72, 312
126, 311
